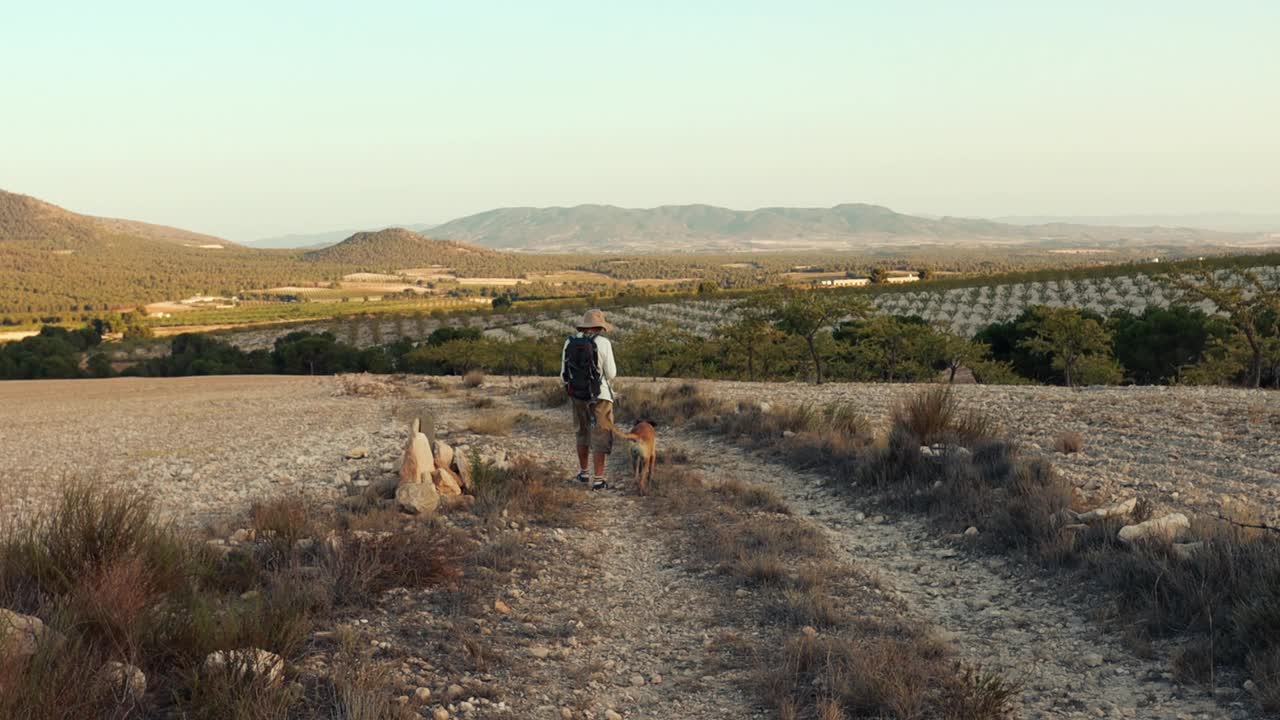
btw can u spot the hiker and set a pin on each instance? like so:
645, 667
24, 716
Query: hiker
586, 366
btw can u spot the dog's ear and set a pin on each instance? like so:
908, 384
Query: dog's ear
653, 424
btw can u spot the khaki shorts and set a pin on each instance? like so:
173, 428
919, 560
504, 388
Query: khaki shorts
595, 436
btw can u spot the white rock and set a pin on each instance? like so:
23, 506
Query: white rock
418, 498
126, 680
446, 482
357, 453
1187, 551
417, 463
252, 661
1168, 527
20, 635
444, 454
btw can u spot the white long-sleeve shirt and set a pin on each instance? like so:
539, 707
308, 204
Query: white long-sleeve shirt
604, 356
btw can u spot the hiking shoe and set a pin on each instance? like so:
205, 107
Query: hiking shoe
583, 477
599, 484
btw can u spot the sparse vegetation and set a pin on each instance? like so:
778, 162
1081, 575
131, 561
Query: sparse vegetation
1067, 443
494, 422
838, 651
119, 585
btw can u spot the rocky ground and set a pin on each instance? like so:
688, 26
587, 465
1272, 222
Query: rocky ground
1197, 448
608, 621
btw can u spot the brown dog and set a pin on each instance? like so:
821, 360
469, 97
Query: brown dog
644, 453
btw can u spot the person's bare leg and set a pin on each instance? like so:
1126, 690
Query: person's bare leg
583, 455
599, 459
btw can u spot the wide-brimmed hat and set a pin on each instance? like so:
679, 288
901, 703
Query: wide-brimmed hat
592, 319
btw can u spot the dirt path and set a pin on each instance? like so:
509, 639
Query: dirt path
612, 622
1005, 617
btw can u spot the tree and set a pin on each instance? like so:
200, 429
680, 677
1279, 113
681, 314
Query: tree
805, 314
1155, 346
887, 347
1068, 337
956, 352
1249, 304
749, 333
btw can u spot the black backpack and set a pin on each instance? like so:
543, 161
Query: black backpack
582, 368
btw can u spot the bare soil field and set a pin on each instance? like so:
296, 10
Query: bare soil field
614, 619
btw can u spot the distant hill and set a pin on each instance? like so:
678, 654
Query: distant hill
53, 260
314, 241
706, 228
33, 222
396, 248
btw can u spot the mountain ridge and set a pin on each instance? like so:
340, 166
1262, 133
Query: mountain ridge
709, 228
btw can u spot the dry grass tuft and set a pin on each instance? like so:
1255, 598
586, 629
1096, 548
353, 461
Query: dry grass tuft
473, 379
495, 422
934, 416
551, 394
527, 491
364, 385
668, 405
1068, 442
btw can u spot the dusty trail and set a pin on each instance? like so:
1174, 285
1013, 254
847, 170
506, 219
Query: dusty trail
996, 614
617, 623
1032, 627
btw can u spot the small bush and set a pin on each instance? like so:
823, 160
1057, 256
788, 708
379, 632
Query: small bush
282, 521
1068, 442
367, 564
473, 379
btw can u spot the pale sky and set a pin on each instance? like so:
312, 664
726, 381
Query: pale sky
247, 119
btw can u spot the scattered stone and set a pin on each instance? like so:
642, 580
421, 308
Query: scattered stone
454, 692
1092, 660
126, 680
501, 607
611, 715
357, 453
809, 631
417, 498
655, 679
20, 635
440, 714
251, 661
422, 695
637, 680
417, 463
970, 531
1169, 527
446, 482
462, 463
566, 713
539, 652
444, 454
1118, 509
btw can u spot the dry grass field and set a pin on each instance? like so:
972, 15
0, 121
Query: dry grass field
741, 588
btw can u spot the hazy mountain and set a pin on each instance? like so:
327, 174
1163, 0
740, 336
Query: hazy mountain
395, 248
1225, 222
705, 228
310, 241
35, 223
